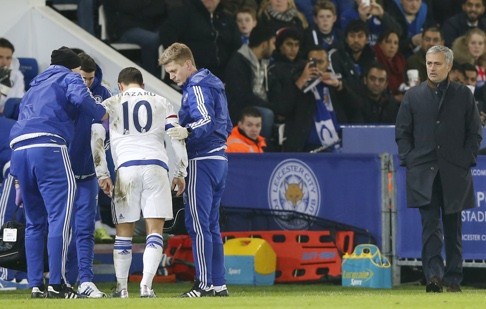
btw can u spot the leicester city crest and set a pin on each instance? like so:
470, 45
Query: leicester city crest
293, 187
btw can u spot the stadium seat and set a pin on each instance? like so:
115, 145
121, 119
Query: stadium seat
30, 68
11, 108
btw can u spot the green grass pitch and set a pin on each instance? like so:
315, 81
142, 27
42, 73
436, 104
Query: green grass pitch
315, 295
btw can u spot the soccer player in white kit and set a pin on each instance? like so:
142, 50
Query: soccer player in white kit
138, 120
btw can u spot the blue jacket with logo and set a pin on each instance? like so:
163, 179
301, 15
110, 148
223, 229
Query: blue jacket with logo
204, 111
80, 148
52, 103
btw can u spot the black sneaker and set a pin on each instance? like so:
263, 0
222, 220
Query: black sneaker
196, 291
434, 286
37, 292
222, 293
64, 292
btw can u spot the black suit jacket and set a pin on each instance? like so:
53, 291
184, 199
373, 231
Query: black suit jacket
443, 138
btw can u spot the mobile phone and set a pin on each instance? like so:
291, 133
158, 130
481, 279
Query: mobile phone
313, 63
366, 2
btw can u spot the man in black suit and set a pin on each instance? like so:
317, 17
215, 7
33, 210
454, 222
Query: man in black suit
438, 133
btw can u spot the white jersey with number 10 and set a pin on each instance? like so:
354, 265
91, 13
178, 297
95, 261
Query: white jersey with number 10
138, 120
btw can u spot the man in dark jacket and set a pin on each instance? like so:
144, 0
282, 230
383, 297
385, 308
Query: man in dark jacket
438, 133
207, 29
472, 16
246, 78
378, 106
137, 22
353, 60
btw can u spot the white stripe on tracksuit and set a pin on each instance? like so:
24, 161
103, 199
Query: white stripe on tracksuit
66, 233
200, 249
7, 184
201, 107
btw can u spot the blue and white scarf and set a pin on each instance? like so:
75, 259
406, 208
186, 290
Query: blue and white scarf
326, 124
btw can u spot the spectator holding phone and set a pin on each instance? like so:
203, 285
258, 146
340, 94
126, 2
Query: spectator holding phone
314, 110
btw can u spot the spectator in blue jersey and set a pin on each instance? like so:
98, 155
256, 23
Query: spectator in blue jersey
373, 15
205, 123
80, 256
40, 162
8, 278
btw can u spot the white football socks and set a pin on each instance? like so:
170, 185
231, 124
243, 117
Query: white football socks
122, 259
152, 256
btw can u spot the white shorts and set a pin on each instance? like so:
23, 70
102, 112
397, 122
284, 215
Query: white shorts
142, 188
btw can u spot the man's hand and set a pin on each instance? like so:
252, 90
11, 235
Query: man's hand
376, 9
482, 117
180, 183
178, 132
106, 185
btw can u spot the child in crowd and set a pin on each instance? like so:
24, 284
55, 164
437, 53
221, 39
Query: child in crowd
246, 20
323, 33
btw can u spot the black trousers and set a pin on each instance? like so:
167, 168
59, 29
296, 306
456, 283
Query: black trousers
438, 229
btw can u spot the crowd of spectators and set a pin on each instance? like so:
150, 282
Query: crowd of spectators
370, 45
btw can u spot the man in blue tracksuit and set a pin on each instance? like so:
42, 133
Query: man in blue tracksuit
205, 123
81, 248
7, 202
40, 162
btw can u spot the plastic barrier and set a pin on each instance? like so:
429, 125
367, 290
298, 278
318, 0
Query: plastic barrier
301, 255
249, 261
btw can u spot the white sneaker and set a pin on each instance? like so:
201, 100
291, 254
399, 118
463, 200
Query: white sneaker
123, 293
89, 290
145, 292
